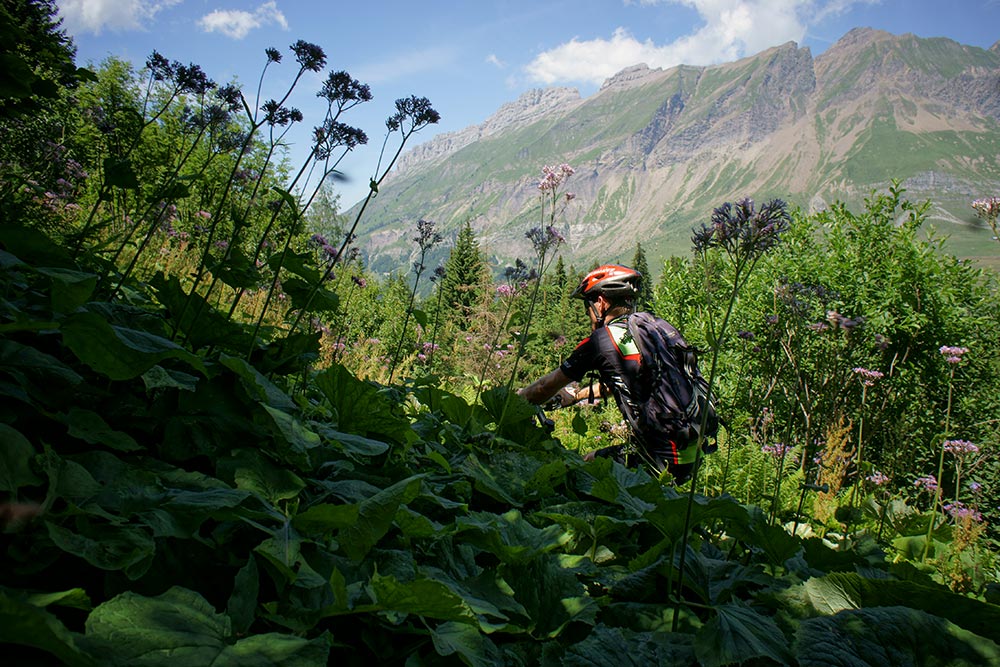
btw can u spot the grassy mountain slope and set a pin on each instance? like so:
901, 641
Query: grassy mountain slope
657, 150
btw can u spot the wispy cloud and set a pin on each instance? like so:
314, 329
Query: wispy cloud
495, 61
731, 29
407, 64
237, 23
117, 15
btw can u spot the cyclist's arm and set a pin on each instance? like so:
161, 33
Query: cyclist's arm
545, 387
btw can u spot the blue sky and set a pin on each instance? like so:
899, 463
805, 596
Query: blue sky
471, 56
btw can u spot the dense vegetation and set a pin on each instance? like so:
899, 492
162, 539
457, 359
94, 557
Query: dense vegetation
226, 442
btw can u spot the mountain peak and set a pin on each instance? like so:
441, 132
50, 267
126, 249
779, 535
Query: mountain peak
629, 76
656, 149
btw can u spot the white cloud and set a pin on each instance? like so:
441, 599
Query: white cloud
494, 60
731, 29
96, 15
237, 23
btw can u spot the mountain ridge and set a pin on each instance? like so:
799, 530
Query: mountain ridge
656, 149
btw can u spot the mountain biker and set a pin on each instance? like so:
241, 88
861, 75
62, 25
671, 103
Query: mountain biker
609, 294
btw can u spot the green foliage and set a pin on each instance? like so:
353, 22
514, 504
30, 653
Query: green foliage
185, 483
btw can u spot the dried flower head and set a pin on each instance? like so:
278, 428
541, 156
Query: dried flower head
742, 230
310, 56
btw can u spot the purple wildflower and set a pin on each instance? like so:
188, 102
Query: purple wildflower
867, 376
952, 354
927, 482
959, 512
960, 447
878, 478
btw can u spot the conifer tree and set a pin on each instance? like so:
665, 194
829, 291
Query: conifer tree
465, 273
645, 299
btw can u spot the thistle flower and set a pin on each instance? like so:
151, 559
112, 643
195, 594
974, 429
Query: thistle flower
310, 56
543, 240
343, 91
426, 237
159, 67
416, 110
741, 230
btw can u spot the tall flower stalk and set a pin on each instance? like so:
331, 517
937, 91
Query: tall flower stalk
742, 235
953, 357
425, 239
412, 115
544, 240
868, 378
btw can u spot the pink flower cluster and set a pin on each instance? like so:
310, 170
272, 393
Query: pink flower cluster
777, 450
927, 482
553, 177
878, 478
960, 512
988, 207
868, 377
952, 354
960, 447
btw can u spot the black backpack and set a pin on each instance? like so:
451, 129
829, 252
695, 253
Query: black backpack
674, 397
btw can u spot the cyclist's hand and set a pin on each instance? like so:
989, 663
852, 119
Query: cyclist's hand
566, 396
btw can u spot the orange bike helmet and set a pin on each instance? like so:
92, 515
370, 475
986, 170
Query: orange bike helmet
613, 282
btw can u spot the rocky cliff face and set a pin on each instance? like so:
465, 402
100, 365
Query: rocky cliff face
655, 150
528, 108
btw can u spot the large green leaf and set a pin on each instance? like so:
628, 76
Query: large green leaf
120, 174
198, 320
180, 627
351, 443
91, 428
669, 515
890, 636
34, 247
616, 647
550, 593
421, 597
256, 384
841, 591
70, 289
310, 298
738, 633
253, 471
514, 477
509, 536
375, 516
296, 441
36, 370
242, 605
324, 519
118, 352
15, 461
474, 647
359, 406
126, 548
26, 624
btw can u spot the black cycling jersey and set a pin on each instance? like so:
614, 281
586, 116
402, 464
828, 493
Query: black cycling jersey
611, 351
